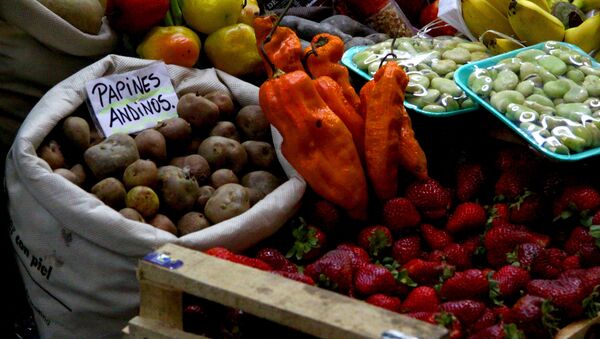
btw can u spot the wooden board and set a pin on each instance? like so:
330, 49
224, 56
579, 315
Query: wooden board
305, 308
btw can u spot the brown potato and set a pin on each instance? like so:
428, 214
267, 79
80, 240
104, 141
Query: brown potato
77, 131
111, 156
252, 123
177, 161
224, 102
95, 137
131, 214
205, 193
178, 190
163, 222
79, 172
262, 181
175, 130
144, 200
225, 129
223, 176
221, 152
67, 174
255, 196
151, 144
52, 154
111, 191
261, 155
140, 173
197, 166
228, 201
200, 112
192, 222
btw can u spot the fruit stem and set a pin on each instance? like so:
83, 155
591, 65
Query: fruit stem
313, 51
270, 36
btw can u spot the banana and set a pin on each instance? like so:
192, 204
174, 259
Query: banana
480, 16
501, 6
543, 4
586, 35
532, 24
587, 5
501, 45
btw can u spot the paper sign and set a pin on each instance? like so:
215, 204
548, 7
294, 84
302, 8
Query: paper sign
133, 101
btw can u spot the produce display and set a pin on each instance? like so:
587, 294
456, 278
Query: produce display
430, 64
551, 93
210, 164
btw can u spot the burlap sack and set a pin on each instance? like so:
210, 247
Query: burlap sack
78, 256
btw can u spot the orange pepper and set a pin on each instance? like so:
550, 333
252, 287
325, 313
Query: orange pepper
176, 45
411, 155
284, 49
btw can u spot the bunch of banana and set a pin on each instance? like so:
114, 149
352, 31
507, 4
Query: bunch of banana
586, 35
483, 15
533, 24
498, 45
587, 5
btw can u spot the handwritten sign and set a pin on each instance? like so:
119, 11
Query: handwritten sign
133, 101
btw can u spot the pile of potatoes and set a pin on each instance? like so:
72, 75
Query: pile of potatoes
209, 164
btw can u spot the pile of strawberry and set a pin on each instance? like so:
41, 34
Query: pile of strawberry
512, 250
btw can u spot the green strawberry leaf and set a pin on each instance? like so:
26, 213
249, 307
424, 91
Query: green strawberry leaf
499, 198
403, 278
306, 240
378, 241
513, 257
495, 294
512, 332
595, 233
521, 199
480, 250
549, 321
326, 283
445, 319
591, 304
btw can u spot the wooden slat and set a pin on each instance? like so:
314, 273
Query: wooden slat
577, 330
162, 303
306, 308
144, 328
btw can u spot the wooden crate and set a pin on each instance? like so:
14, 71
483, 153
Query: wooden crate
175, 269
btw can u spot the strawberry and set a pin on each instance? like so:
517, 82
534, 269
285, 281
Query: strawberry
425, 272
524, 255
466, 311
502, 312
470, 179
276, 260
466, 217
472, 245
487, 319
430, 197
385, 301
359, 255
465, 285
499, 211
571, 262
457, 255
370, 279
596, 218
334, 270
528, 208
223, 253
511, 184
566, 293
309, 242
507, 282
399, 213
499, 331
406, 249
435, 237
296, 276
375, 239
579, 198
589, 277
325, 215
421, 299
534, 315
548, 263
428, 317
444, 319
503, 237
581, 242
514, 157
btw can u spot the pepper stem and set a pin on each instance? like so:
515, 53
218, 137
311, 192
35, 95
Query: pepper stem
268, 38
391, 53
313, 51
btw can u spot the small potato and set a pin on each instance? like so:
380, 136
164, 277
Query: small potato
224, 102
205, 193
178, 190
253, 124
175, 130
95, 137
67, 174
192, 222
52, 154
200, 112
223, 176
144, 200
177, 161
262, 181
261, 155
255, 196
131, 214
140, 173
192, 146
228, 201
111, 191
163, 222
221, 152
225, 129
112, 155
197, 166
77, 131
79, 172
151, 144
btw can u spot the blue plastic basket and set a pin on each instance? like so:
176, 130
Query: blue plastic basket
461, 77
347, 61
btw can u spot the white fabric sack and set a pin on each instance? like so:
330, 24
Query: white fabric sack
78, 256
451, 12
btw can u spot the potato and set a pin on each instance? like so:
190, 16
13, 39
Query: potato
262, 181
255, 196
151, 144
223, 176
79, 172
225, 129
52, 154
197, 166
131, 214
111, 191
140, 173
205, 193
253, 124
77, 132
228, 201
192, 222
67, 174
177, 161
224, 102
200, 112
95, 137
111, 156
163, 222
261, 155
221, 152
175, 130
192, 146
178, 190
144, 200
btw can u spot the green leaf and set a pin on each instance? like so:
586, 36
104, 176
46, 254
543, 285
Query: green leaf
495, 294
511, 331
521, 199
591, 304
549, 321
595, 233
445, 319
378, 241
513, 257
403, 278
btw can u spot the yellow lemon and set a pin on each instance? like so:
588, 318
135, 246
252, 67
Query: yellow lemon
233, 49
207, 16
